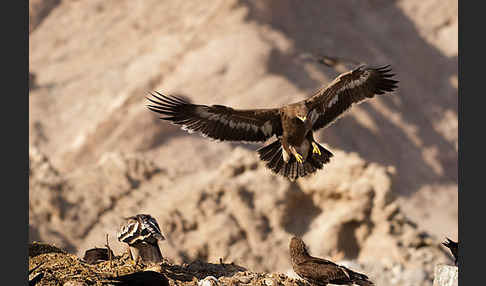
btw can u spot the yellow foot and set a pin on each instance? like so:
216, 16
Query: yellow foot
298, 157
315, 149
134, 261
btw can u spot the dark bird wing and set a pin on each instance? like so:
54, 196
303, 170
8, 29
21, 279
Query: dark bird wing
352, 87
150, 227
317, 269
453, 247
141, 227
218, 122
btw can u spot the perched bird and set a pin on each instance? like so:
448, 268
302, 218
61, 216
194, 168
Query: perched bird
319, 271
142, 233
453, 247
142, 278
294, 153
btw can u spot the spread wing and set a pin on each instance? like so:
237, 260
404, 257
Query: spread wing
352, 87
217, 121
318, 269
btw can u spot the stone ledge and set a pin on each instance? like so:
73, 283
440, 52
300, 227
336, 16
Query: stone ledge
445, 275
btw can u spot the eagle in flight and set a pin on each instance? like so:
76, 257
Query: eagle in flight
294, 153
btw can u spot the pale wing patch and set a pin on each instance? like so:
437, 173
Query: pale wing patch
363, 77
334, 99
352, 84
313, 116
220, 118
267, 128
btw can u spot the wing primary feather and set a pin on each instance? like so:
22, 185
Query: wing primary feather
173, 99
216, 121
350, 88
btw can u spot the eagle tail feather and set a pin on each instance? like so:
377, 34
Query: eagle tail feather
268, 152
320, 160
272, 156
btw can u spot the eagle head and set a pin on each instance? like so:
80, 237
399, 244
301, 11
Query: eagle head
298, 110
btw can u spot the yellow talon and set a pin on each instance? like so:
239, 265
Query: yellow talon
299, 157
315, 149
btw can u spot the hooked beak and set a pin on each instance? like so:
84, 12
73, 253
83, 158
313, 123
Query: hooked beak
303, 118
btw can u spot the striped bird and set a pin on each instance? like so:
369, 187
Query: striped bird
294, 153
142, 233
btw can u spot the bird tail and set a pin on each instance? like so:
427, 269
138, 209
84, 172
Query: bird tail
272, 156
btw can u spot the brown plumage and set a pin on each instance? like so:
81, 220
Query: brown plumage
320, 271
453, 247
295, 153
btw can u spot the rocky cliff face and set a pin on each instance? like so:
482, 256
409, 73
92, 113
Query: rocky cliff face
238, 212
97, 154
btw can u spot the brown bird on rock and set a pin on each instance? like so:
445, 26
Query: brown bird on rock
320, 271
295, 153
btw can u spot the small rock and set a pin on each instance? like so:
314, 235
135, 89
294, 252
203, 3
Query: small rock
208, 281
245, 280
445, 275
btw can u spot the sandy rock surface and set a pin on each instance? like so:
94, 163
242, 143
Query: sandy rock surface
239, 213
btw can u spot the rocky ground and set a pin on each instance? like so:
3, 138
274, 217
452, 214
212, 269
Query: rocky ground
383, 204
238, 213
